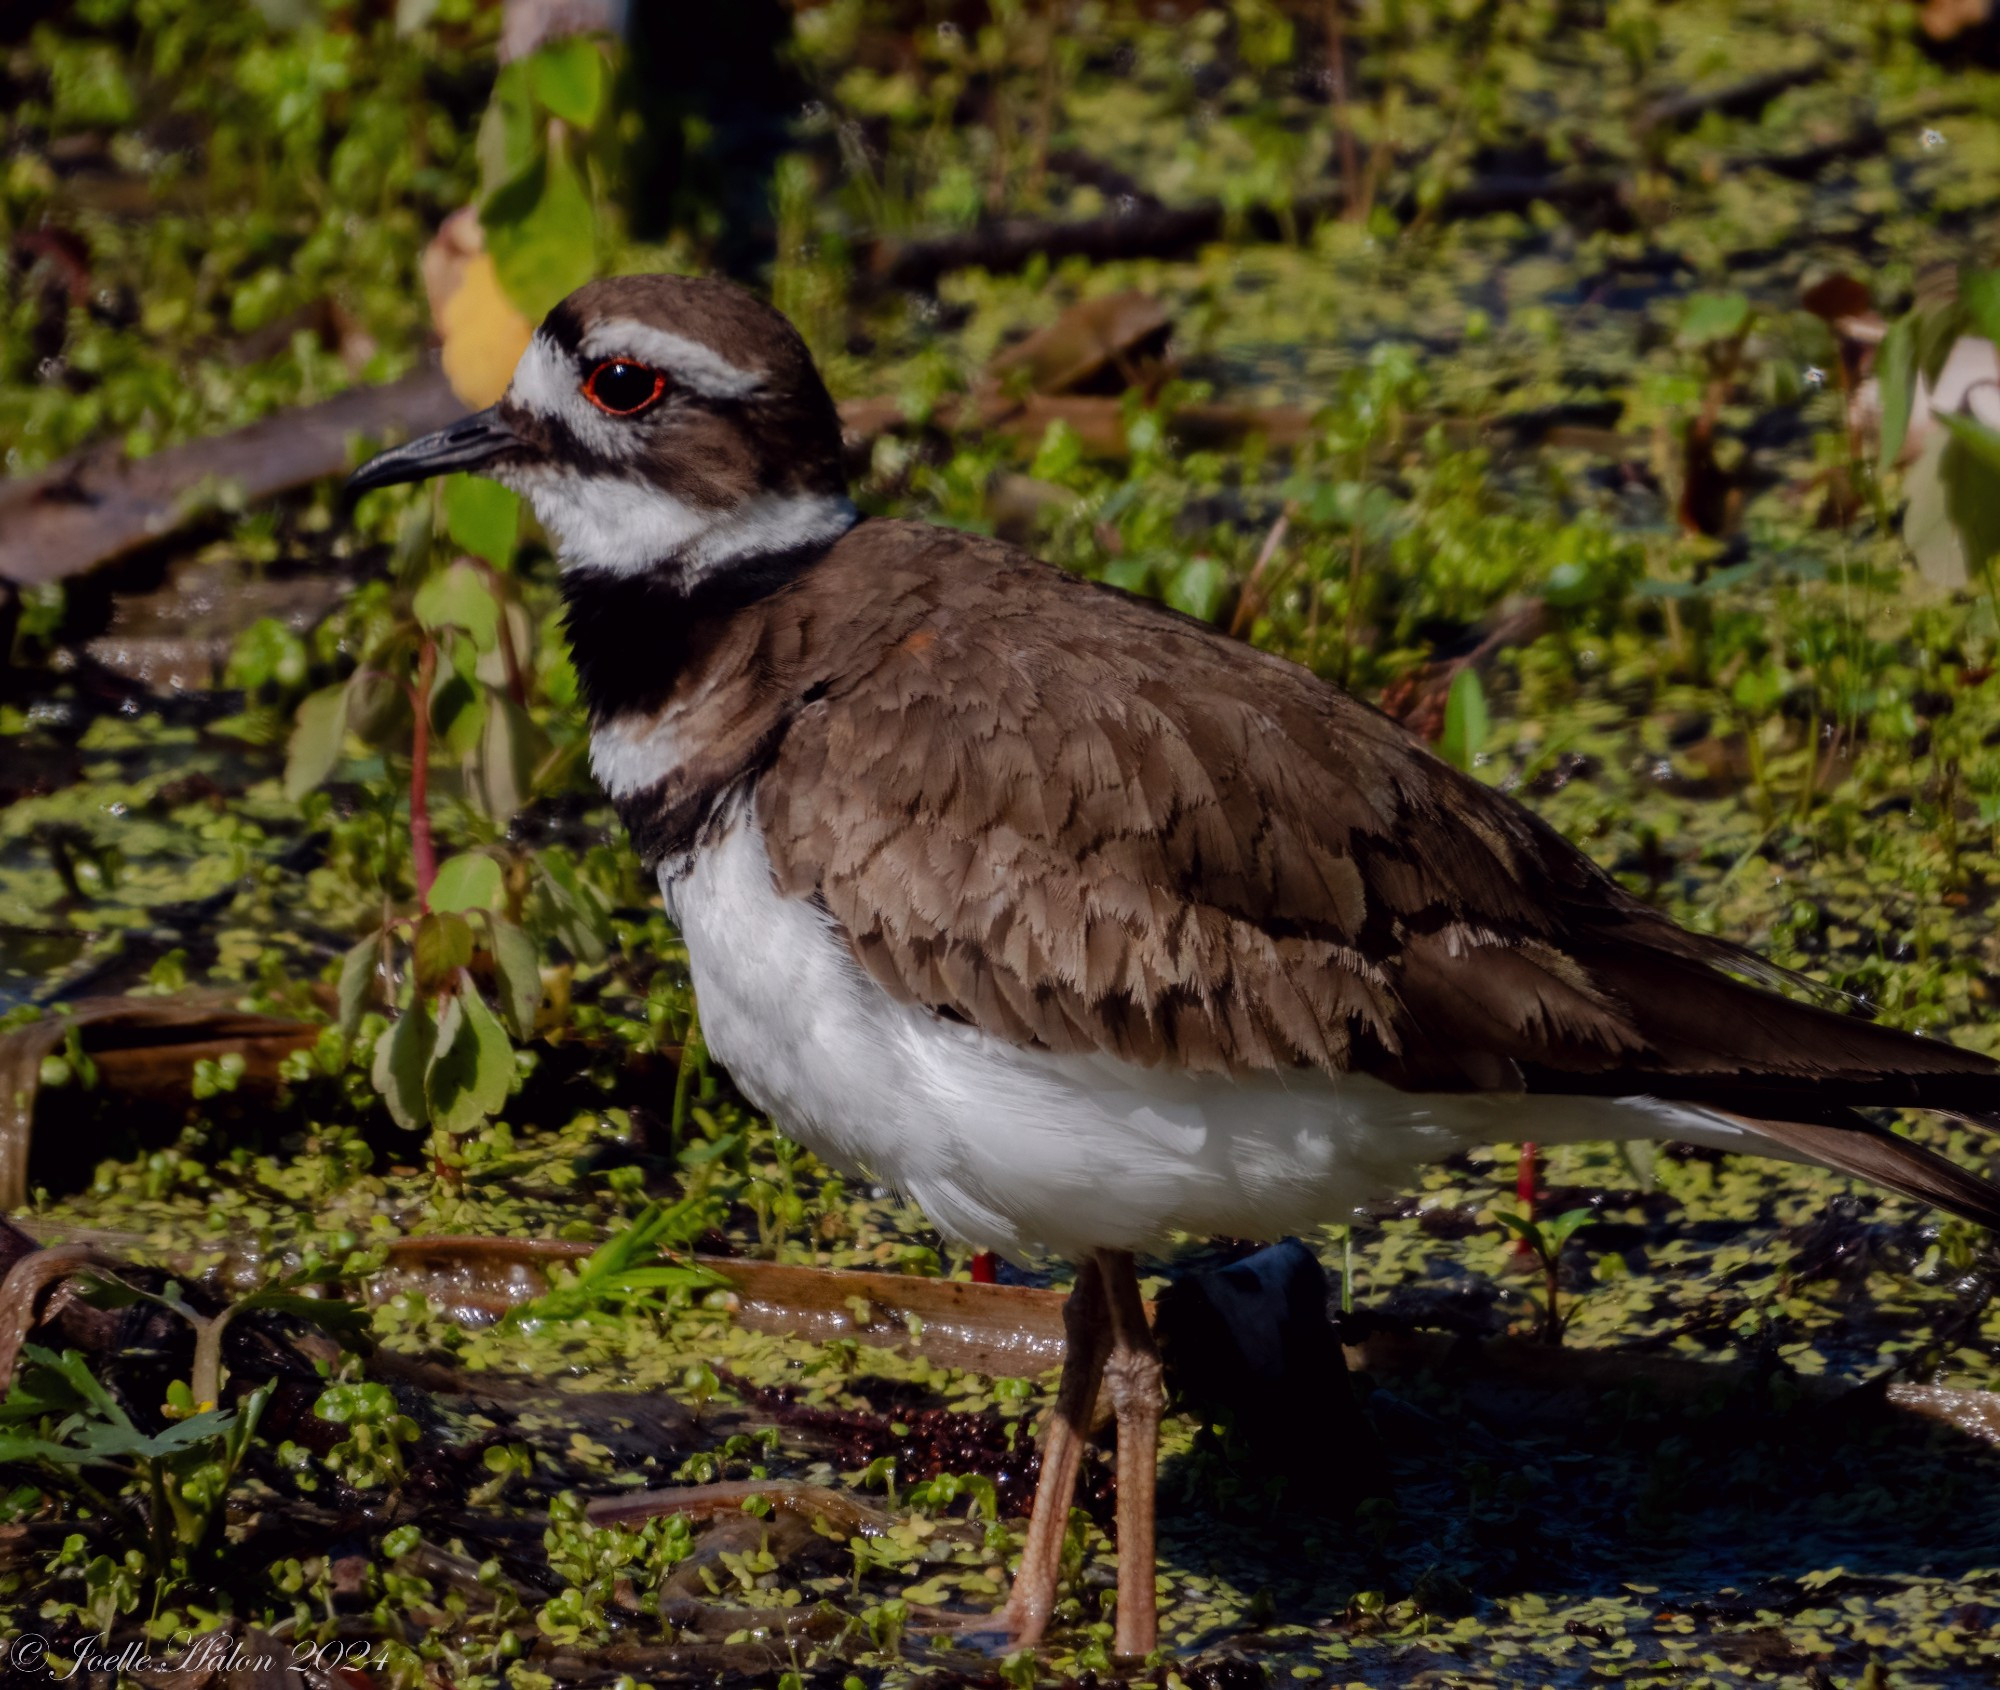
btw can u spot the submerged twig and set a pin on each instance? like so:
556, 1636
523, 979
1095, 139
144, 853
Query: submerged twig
22, 1290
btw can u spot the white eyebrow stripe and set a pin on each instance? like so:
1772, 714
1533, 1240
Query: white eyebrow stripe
687, 361
545, 383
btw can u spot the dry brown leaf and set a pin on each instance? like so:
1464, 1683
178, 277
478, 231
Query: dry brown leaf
1943, 20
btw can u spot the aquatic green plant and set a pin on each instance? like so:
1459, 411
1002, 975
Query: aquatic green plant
159, 1495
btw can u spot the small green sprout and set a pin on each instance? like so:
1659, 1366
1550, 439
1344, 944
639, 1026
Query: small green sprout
1546, 1239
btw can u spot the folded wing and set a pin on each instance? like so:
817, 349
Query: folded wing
1075, 820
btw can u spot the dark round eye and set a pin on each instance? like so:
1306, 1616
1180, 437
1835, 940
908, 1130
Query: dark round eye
622, 387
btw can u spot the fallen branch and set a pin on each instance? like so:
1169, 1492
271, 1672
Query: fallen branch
1004, 1331
1170, 232
1099, 422
1137, 231
23, 1290
100, 506
144, 1050
1104, 176
1140, 231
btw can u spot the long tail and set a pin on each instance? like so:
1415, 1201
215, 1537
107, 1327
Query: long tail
1869, 1152
1789, 1077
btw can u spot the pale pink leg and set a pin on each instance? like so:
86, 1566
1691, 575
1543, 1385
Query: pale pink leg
1033, 1599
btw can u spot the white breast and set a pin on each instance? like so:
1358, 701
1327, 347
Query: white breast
1019, 1150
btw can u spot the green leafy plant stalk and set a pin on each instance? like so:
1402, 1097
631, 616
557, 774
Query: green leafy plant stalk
1545, 1241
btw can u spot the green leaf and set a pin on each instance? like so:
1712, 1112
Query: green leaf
1937, 330
473, 1066
1927, 526
1713, 317
401, 1060
626, 1266
1196, 589
1465, 720
1896, 381
317, 732
542, 233
197, 1429
442, 947
510, 132
1970, 471
378, 707
460, 597
72, 1370
518, 967
1524, 1229
458, 714
357, 974
469, 881
14, 1447
266, 651
509, 749
1952, 525
482, 517
1558, 1231
567, 76
1979, 298
1979, 440
577, 913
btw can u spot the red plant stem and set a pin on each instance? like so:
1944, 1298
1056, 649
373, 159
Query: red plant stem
1524, 1192
423, 854
985, 1268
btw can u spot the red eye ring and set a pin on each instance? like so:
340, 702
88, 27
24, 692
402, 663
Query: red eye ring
622, 387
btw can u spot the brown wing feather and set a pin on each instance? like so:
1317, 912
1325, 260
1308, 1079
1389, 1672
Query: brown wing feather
1077, 820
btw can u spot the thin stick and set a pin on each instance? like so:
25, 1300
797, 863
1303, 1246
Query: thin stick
1336, 70
1249, 601
423, 853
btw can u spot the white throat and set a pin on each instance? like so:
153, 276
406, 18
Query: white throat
623, 526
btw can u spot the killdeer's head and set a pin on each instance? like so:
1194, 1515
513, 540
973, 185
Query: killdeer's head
662, 426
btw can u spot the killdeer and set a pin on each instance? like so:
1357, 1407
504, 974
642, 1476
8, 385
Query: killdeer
1073, 919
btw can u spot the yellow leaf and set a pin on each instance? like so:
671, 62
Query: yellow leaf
484, 334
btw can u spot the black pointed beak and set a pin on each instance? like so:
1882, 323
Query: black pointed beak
468, 444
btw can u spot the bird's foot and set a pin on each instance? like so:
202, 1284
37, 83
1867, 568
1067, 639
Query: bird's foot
1000, 1632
